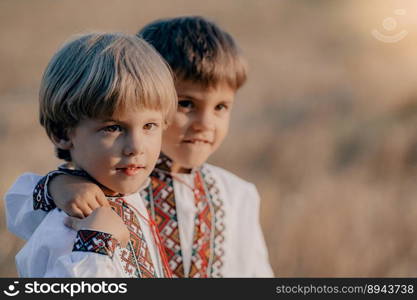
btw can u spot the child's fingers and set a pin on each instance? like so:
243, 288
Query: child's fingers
98, 202
85, 209
76, 212
94, 205
102, 200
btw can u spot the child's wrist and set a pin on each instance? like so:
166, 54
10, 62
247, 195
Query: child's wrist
41, 198
96, 242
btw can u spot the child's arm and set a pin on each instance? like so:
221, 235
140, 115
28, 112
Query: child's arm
98, 237
262, 267
102, 219
92, 250
29, 199
22, 219
77, 196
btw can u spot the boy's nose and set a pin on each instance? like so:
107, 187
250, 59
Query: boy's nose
133, 146
204, 121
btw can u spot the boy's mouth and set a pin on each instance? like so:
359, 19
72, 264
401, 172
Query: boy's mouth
130, 170
197, 141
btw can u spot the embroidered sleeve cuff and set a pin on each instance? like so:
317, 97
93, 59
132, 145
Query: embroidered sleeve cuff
95, 242
41, 198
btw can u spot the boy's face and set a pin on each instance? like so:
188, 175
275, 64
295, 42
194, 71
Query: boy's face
199, 126
119, 152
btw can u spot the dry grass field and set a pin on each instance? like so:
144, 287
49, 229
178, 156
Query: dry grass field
326, 126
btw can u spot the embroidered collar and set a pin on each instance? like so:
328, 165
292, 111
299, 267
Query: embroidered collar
207, 248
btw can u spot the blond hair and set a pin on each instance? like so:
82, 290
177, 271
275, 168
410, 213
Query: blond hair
98, 75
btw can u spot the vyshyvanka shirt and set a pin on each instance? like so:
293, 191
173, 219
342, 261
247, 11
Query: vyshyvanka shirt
208, 220
54, 250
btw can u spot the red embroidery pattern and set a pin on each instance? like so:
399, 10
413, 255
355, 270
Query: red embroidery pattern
94, 241
206, 260
219, 225
201, 244
137, 252
166, 220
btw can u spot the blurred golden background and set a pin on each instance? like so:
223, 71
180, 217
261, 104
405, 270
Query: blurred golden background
326, 126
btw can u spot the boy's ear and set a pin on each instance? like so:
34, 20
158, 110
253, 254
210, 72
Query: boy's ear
62, 143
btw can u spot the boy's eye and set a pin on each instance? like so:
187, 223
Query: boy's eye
187, 104
112, 128
150, 126
221, 106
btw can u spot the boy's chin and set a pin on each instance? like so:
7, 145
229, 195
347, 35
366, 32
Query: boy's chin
186, 161
190, 164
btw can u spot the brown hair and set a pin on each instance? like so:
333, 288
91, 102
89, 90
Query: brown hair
98, 75
197, 50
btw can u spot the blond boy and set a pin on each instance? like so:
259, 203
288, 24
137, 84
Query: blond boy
104, 101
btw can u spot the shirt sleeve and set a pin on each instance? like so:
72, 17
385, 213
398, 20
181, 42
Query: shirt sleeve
262, 267
83, 264
57, 251
22, 219
93, 255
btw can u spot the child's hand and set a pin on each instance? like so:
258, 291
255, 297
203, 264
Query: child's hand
77, 196
102, 219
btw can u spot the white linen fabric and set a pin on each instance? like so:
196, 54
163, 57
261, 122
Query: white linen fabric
245, 252
49, 250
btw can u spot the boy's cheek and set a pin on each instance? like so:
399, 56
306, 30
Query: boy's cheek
170, 136
180, 122
154, 149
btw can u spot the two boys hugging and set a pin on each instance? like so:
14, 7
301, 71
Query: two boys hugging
121, 207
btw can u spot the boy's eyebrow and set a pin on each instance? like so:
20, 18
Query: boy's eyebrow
152, 119
188, 97
197, 99
109, 120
